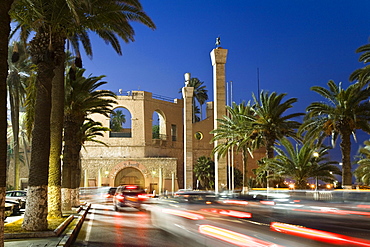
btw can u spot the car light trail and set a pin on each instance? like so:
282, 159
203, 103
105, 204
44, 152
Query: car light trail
233, 237
184, 214
333, 211
232, 213
271, 203
318, 235
237, 202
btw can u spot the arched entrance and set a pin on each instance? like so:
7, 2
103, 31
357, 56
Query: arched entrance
129, 175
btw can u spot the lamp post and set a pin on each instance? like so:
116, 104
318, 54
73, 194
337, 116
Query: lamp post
316, 155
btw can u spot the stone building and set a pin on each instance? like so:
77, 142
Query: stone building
136, 156
162, 162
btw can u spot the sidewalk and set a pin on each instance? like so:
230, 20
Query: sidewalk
59, 237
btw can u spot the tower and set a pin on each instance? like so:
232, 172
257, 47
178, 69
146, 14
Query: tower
187, 93
218, 58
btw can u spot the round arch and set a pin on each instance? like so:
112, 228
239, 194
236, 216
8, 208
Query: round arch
120, 123
129, 175
159, 125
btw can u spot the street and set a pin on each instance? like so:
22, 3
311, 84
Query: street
131, 227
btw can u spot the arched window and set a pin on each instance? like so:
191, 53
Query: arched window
159, 126
120, 123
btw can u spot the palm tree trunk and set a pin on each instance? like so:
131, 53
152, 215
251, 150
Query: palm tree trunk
345, 147
4, 34
56, 129
245, 171
35, 217
14, 112
71, 158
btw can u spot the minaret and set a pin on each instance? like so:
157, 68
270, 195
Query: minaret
187, 94
218, 57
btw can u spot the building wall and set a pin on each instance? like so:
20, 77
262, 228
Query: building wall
101, 164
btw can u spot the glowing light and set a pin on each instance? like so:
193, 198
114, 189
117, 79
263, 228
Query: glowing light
184, 214
143, 196
291, 186
333, 211
120, 197
318, 235
131, 187
232, 213
271, 203
232, 237
238, 202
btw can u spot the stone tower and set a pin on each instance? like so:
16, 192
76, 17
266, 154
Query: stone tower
187, 93
218, 58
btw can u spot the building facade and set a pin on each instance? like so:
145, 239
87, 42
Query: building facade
137, 155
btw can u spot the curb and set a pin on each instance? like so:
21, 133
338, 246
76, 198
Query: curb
45, 234
71, 235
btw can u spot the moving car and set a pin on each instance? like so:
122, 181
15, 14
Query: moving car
109, 194
17, 195
129, 196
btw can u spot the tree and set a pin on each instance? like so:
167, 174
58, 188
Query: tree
301, 162
19, 68
82, 99
204, 171
235, 132
362, 75
4, 34
362, 172
343, 112
269, 121
53, 22
116, 121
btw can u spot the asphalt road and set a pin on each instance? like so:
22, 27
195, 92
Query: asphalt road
130, 228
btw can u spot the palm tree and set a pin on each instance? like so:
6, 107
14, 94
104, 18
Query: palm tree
344, 112
269, 121
19, 67
362, 75
53, 22
300, 163
362, 172
235, 131
4, 34
118, 118
204, 171
82, 99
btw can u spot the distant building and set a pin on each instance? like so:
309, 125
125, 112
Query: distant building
136, 155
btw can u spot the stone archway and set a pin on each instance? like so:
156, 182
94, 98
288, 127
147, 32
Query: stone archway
129, 175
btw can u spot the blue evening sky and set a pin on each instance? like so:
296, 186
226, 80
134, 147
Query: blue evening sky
295, 44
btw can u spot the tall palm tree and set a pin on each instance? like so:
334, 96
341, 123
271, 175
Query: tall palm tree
362, 172
53, 22
299, 163
269, 121
4, 34
19, 67
343, 112
235, 131
118, 118
82, 99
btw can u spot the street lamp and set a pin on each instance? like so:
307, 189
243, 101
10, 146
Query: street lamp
187, 78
